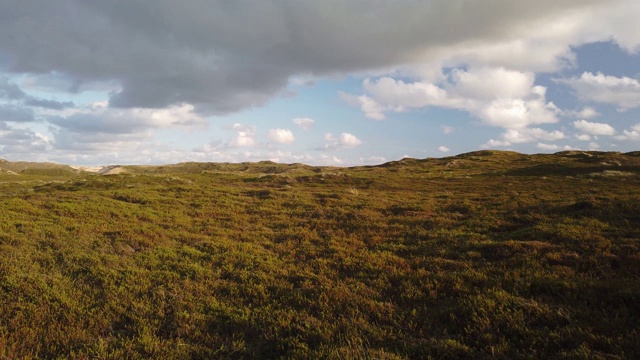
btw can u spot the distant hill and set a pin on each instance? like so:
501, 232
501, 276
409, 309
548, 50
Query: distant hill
36, 168
487, 162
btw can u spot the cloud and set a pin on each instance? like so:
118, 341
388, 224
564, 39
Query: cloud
13, 113
18, 142
48, 104
166, 65
585, 113
281, 136
9, 90
622, 92
305, 122
344, 141
244, 136
13, 93
548, 147
444, 149
519, 136
373, 160
99, 119
632, 134
110, 133
349, 140
371, 109
447, 129
499, 97
583, 137
593, 128
329, 160
224, 57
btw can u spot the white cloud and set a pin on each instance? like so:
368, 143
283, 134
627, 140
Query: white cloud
244, 137
345, 140
444, 149
594, 146
305, 122
499, 97
281, 136
491, 83
373, 160
622, 92
447, 129
519, 113
583, 137
585, 113
492, 143
329, 160
349, 140
548, 147
519, 136
528, 135
594, 128
371, 109
632, 134
99, 118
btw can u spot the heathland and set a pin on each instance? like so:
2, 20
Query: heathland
482, 255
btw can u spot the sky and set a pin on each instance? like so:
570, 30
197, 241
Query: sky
350, 82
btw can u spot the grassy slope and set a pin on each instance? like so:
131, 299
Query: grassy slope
487, 254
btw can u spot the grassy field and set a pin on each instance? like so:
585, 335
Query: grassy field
483, 255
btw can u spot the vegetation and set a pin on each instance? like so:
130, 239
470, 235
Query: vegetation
486, 254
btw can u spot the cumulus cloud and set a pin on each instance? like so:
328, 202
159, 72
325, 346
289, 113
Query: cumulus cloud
519, 136
100, 119
547, 147
593, 128
244, 136
444, 149
499, 97
344, 141
305, 122
95, 130
622, 92
281, 136
586, 113
632, 134
371, 108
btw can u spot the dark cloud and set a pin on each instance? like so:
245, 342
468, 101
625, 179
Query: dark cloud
12, 92
48, 104
224, 56
13, 113
101, 123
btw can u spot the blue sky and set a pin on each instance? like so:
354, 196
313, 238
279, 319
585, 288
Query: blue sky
325, 83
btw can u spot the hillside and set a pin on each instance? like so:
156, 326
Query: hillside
488, 254
35, 168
